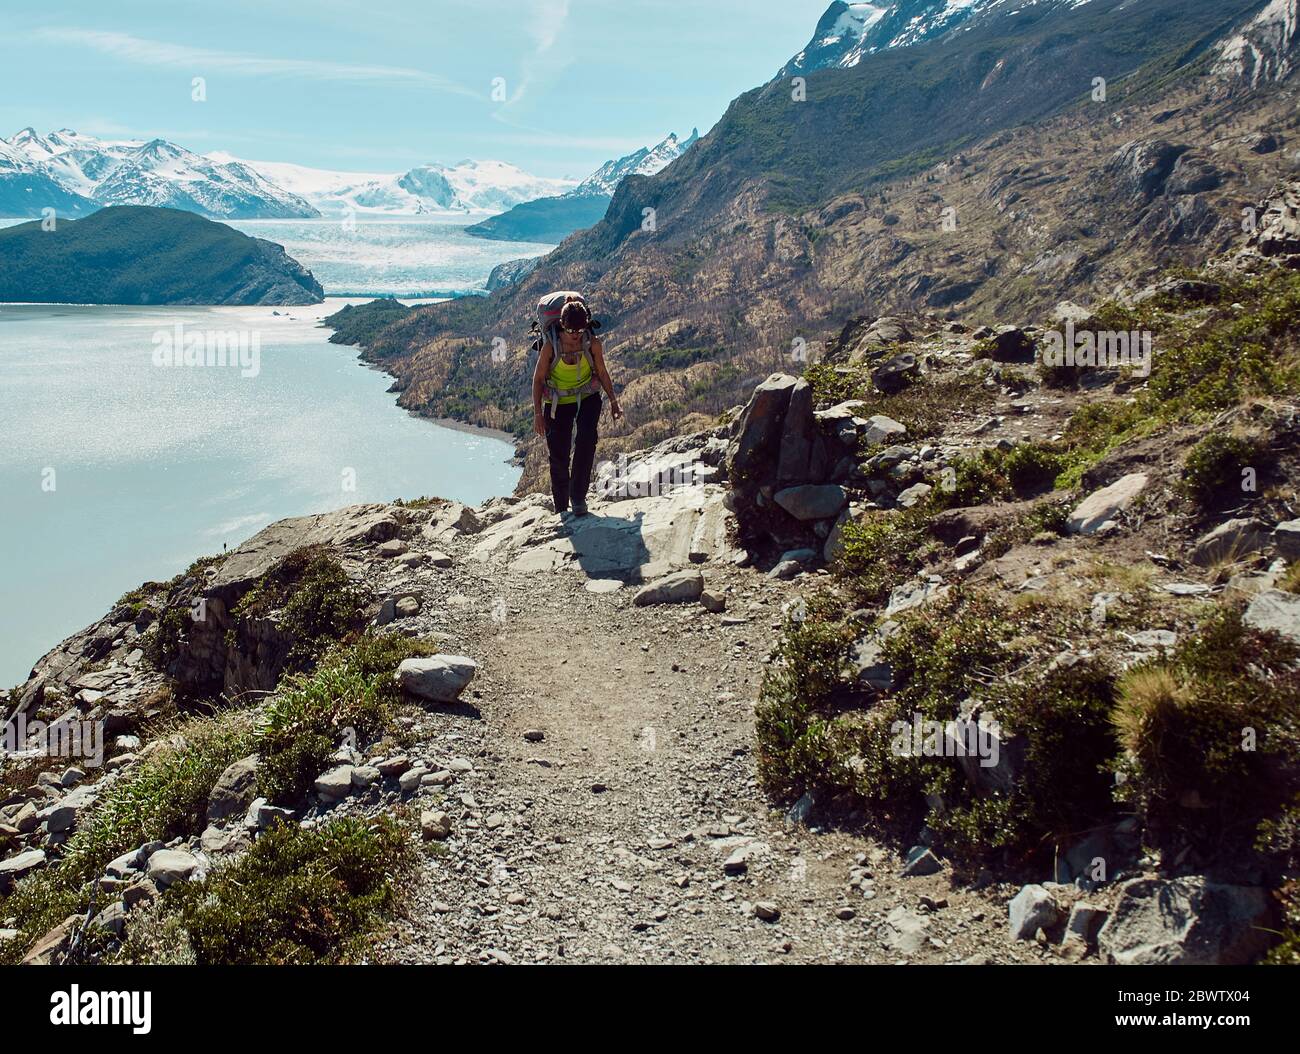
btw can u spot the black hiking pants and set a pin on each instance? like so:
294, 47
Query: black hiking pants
566, 482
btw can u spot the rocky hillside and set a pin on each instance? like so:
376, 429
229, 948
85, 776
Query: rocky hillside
1022, 189
142, 255
1013, 642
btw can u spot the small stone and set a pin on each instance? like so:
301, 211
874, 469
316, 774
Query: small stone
435, 824
767, 911
920, 861
408, 606
335, 784
534, 735
1032, 909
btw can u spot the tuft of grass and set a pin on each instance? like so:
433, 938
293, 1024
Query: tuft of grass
352, 688
297, 897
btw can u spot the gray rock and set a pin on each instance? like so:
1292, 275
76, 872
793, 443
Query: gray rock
440, 678
168, 866
1186, 921
767, 911
713, 600
1104, 505
408, 606
391, 768
1286, 536
912, 495
1031, 910
904, 930
20, 866
881, 429
676, 588
1230, 541
812, 501
435, 824
335, 784
1085, 921
234, 790
1276, 610
365, 776
125, 864
920, 861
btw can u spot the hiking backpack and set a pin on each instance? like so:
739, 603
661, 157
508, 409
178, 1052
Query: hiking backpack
546, 326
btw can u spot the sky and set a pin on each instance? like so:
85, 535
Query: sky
554, 86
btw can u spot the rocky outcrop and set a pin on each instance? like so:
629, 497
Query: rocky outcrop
1186, 922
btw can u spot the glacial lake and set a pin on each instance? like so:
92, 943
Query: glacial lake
117, 469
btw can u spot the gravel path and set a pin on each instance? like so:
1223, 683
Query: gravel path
613, 813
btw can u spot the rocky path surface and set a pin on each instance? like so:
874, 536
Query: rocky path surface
604, 804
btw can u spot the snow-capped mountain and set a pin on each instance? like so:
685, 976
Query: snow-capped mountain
27, 188
466, 187
130, 172
644, 162
847, 32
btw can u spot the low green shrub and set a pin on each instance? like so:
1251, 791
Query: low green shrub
1213, 470
1211, 738
352, 688
298, 896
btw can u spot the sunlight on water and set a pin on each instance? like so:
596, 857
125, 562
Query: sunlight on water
153, 466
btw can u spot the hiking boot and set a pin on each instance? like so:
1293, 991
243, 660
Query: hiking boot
579, 507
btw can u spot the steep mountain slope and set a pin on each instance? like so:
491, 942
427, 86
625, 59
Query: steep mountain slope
140, 255
790, 216
847, 32
156, 173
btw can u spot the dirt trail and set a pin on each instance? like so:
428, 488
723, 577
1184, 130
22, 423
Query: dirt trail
607, 840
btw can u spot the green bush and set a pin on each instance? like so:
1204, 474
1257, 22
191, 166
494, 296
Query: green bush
808, 668
317, 603
298, 896
1212, 471
883, 551
1212, 736
304, 722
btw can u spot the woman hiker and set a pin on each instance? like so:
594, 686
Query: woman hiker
566, 389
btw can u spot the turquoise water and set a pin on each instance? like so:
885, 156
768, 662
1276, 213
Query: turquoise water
394, 257
116, 469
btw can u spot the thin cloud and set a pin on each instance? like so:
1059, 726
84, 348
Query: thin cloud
549, 19
160, 53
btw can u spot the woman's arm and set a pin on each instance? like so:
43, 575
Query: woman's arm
540, 374
602, 375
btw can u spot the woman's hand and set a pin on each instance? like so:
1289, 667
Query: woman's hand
615, 411
539, 424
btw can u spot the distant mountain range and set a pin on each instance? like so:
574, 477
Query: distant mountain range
75, 173
552, 219
154, 172
432, 189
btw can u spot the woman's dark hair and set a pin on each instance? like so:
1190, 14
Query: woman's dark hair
575, 316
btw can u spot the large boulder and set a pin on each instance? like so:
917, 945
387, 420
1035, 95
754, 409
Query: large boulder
756, 436
1275, 610
801, 456
439, 678
1186, 921
1230, 541
812, 501
1104, 505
